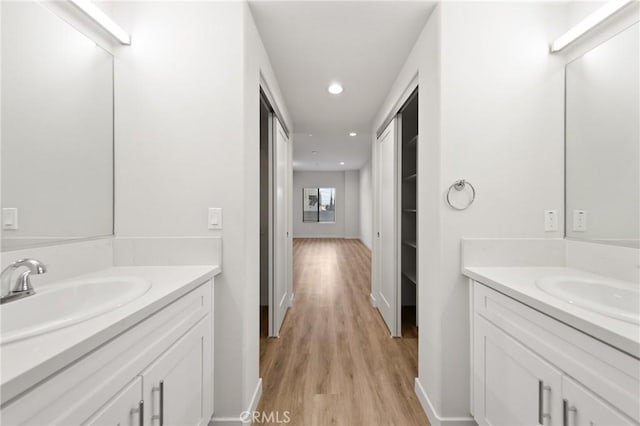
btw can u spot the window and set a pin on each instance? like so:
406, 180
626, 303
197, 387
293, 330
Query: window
319, 205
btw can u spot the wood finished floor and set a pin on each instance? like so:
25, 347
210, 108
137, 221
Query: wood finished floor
334, 362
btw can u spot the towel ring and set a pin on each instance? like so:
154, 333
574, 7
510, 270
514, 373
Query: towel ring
459, 185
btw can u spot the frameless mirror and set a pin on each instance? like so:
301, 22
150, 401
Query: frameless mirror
57, 130
603, 142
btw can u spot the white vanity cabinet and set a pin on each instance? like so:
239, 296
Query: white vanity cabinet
582, 407
174, 386
124, 409
517, 387
530, 369
159, 371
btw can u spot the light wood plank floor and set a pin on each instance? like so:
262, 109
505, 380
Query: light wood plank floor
334, 362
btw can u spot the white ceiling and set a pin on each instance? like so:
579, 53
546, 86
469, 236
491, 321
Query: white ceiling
361, 44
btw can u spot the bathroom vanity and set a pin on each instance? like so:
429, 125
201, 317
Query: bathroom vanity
145, 361
542, 352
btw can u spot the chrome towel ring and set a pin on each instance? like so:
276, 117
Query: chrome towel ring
460, 185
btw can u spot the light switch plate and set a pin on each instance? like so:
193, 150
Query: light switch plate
215, 218
550, 220
10, 219
579, 220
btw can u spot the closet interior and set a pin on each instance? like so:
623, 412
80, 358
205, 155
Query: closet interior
408, 118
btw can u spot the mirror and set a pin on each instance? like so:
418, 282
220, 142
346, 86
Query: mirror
57, 130
603, 143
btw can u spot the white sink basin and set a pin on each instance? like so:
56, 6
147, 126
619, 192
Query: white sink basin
615, 299
65, 304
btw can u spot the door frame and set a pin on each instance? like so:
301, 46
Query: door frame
273, 120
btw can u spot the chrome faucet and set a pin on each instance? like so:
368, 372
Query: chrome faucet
22, 285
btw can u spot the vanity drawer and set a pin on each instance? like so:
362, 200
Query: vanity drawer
76, 392
612, 374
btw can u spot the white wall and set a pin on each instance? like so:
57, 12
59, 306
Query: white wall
366, 205
257, 67
347, 222
352, 204
491, 111
187, 138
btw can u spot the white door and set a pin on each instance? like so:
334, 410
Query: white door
175, 389
281, 241
513, 386
124, 409
387, 236
581, 407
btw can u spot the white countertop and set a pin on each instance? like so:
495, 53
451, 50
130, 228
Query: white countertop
519, 283
26, 362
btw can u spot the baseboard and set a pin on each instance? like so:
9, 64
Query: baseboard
246, 416
374, 302
433, 416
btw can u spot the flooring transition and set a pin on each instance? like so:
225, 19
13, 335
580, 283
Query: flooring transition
334, 362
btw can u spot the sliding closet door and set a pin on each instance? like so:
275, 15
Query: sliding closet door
387, 235
281, 213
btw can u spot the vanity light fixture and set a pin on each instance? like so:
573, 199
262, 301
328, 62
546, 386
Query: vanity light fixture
100, 18
352, 134
335, 88
590, 22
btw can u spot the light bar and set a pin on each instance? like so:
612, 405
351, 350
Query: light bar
599, 15
99, 17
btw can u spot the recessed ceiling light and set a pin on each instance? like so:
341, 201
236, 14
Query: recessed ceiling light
342, 163
335, 88
353, 134
310, 134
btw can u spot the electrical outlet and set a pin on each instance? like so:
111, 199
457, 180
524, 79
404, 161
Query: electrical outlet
550, 220
10, 219
579, 220
215, 218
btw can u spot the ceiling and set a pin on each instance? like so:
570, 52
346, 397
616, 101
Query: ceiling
360, 44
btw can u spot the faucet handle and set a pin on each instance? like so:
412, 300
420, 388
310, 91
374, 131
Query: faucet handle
23, 284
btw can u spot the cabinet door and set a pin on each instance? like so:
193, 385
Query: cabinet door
512, 386
124, 409
581, 407
176, 386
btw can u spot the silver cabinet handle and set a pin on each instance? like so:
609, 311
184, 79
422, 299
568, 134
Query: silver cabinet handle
565, 412
541, 414
160, 416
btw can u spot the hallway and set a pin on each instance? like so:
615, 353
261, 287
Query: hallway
334, 362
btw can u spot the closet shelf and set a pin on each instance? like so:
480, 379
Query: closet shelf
412, 141
410, 177
411, 277
410, 244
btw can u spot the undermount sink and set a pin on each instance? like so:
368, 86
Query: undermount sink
65, 304
615, 299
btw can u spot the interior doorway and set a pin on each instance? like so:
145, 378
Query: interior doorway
396, 276
276, 292
265, 111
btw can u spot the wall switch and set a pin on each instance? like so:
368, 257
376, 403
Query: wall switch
550, 220
215, 218
579, 220
10, 219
